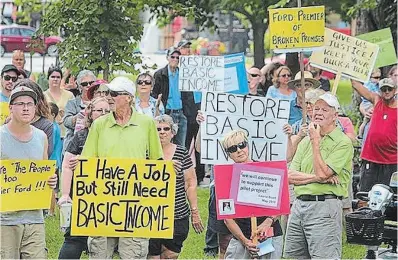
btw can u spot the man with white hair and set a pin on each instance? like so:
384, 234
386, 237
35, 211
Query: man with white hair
122, 134
320, 172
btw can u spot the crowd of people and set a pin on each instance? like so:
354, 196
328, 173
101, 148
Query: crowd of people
152, 119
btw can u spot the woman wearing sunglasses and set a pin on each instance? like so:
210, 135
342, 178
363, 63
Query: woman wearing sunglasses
241, 246
185, 189
74, 246
144, 103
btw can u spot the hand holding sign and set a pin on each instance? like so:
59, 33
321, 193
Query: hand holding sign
52, 181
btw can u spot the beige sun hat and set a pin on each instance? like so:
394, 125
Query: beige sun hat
308, 78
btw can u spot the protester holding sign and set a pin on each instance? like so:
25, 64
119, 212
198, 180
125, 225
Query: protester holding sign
22, 232
9, 75
320, 172
185, 189
379, 153
122, 134
144, 103
74, 245
241, 245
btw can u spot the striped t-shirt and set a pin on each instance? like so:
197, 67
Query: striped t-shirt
181, 204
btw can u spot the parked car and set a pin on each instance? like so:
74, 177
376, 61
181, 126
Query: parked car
17, 37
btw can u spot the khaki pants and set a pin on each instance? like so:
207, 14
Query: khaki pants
129, 248
23, 242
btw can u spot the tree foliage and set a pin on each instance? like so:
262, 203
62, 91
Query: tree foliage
98, 34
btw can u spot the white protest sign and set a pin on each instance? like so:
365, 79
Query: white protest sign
259, 189
201, 73
261, 118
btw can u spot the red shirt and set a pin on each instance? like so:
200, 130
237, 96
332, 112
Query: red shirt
381, 143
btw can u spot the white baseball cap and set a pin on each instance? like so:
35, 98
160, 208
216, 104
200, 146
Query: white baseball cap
331, 100
122, 84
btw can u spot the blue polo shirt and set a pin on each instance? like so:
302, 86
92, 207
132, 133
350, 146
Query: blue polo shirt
174, 100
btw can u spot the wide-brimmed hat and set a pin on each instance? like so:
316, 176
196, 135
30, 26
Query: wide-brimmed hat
307, 78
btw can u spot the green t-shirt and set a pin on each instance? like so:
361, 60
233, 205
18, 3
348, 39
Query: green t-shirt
337, 152
108, 139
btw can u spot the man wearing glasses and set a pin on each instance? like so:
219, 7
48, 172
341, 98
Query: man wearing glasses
122, 134
9, 75
379, 152
166, 83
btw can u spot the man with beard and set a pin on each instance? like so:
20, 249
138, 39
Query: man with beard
9, 75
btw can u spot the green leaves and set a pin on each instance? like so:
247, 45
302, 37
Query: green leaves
97, 33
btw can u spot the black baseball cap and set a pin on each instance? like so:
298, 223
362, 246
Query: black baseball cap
172, 50
183, 43
10, 67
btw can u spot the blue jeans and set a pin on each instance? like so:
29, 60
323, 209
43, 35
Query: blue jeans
211, 239
73, 247
179, 119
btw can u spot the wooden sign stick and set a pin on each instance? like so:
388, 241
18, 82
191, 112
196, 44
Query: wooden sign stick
253, 221
336, 83
302, 88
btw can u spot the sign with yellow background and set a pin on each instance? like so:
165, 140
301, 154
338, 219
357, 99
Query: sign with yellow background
296, 29
353, 57
4, 112
24, 184
123, 198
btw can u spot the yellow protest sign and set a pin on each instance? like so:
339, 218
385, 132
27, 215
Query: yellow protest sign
24, 184
4, 112
296, 29
353, 57
123, 198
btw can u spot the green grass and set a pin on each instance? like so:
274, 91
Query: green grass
193, 246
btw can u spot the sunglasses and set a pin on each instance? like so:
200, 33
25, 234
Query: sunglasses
85, 84
375, 77
8, 78
115, 93
234, 148
175, 57
102, 111
285, 76
254, 75
385, 89
166, 129
144, 82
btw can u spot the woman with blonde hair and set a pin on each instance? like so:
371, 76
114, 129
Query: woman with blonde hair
74, 246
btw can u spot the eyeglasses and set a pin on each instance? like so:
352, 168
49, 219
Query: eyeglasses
234, 148
102, 92
166, 129
386, 89
144, 82
175, 57
85, 84
115, 93
23, 104
254, 75
8, 78
285, 76
102, 111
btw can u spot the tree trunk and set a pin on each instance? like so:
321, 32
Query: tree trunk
292, 61
106, 59
258, 39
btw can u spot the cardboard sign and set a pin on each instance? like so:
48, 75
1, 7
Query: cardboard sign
351, 56
383, 38
123, 198
296, 29
201, 73
4, 112
235, 76
24, 184
252, 190
262, 119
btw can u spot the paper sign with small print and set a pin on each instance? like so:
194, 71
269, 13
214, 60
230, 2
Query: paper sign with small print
123, 198
201, 73
296, 29
383, 38
24, 184
4, 112
353, 57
